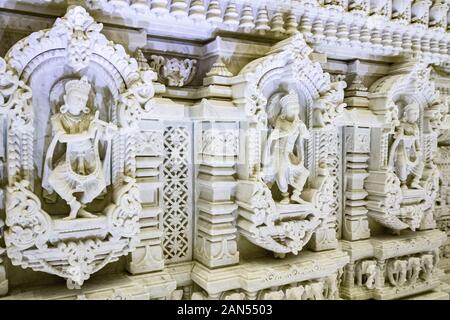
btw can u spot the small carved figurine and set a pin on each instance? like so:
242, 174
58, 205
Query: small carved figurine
406, 153
284, 158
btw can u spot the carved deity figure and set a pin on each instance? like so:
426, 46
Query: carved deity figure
78, 175
283, 160
406, 153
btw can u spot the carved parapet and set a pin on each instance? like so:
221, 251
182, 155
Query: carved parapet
380, 27
392, 267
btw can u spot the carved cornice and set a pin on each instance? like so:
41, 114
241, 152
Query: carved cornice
392, 27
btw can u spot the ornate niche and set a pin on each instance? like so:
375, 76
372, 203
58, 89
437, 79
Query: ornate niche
72, 99
287, 192
404, 180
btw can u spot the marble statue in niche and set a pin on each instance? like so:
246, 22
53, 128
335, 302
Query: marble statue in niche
78, 175
406, 153
283, 160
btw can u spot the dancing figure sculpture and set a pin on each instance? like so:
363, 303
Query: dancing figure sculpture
284, 158
77, 175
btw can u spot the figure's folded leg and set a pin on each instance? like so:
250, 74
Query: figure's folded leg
92, 189
74, 208
85, 214
298, 184
283, 186
418, 171
65, 191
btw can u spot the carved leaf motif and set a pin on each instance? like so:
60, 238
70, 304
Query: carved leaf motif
28, 225
173, 71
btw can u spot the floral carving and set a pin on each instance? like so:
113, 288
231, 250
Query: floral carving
28, 225
173, 71
82, 31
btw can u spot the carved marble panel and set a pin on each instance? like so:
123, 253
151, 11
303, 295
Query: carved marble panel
235, 150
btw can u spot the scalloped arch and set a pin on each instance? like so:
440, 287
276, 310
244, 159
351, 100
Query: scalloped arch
66, 38
288, 59
412, 85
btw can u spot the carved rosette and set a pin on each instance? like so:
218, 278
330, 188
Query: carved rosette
34, 239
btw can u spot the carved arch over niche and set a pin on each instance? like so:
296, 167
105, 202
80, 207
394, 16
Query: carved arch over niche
72, 48
287, 76
393, 199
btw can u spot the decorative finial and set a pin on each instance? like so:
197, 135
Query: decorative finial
219, 69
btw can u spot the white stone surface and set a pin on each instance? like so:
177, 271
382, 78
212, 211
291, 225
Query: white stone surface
225, 149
